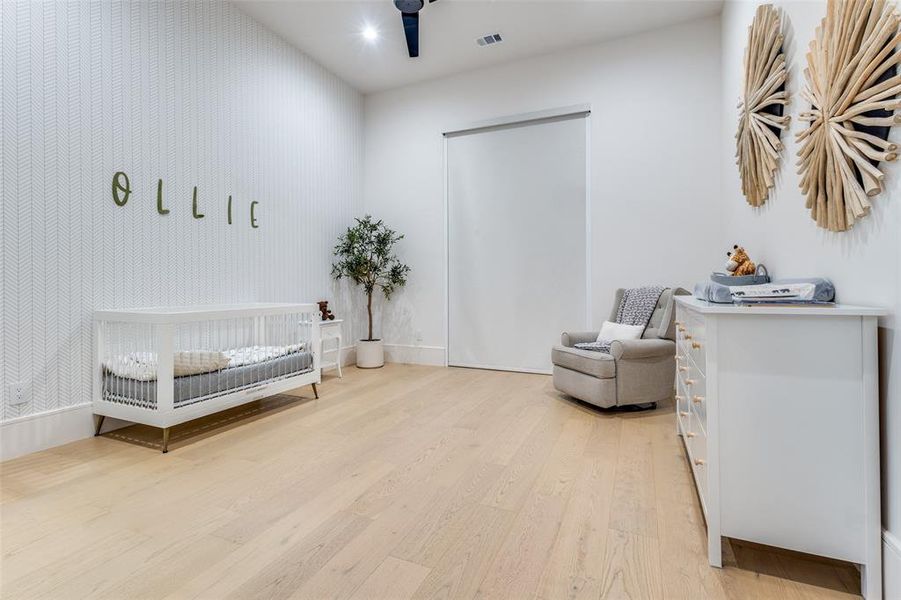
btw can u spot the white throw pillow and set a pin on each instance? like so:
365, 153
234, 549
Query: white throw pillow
194, 362
617, 331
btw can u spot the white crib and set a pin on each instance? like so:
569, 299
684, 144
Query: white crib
165, 366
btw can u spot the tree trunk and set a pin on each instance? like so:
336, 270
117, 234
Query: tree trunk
369, 310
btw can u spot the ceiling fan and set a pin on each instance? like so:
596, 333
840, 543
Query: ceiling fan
409, 12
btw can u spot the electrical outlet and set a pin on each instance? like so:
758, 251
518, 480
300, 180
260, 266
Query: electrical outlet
15, 394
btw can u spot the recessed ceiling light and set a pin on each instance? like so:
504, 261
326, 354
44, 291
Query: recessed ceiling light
370, 33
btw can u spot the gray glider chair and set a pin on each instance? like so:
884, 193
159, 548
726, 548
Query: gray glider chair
639, 371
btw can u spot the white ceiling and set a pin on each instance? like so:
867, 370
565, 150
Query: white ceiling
330, 32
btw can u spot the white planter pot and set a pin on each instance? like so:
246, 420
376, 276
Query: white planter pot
370, 354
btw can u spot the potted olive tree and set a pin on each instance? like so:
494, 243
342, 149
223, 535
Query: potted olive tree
365, 255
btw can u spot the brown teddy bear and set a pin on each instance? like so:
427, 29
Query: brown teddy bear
324, 312
739, 262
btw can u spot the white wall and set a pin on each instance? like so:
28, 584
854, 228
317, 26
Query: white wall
195, 93
864, 263
666, 198
654, 163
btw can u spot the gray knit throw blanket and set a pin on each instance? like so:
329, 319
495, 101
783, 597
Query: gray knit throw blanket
636, 308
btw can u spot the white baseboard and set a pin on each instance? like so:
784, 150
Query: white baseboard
891, 565
348, 355
33, 433
398, 353
415, 355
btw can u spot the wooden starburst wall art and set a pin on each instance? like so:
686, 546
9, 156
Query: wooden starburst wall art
851, 85
760, 121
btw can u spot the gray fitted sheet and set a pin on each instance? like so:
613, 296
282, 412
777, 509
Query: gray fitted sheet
193, 388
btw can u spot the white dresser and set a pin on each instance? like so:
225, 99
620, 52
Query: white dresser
778, 409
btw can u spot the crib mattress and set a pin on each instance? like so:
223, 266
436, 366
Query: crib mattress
194, 388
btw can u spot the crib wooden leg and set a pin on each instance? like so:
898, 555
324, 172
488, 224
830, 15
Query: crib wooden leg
315, 391
98, 424
165, 440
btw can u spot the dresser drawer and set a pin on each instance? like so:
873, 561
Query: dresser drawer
697, 351
683, 407
681, 356
696, 342
683, 351
683, 369
691, 338
327, 333
696, 440
696, 396
684, 417
681, 329
692, 380
699, 409
696, 326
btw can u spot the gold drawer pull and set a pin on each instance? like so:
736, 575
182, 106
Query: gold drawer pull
687, 336
700, 462
681, 329
680, 398
678, 323
689, 382
697, 399
696, 345
684, 413
690, 434
680, 357
683, 369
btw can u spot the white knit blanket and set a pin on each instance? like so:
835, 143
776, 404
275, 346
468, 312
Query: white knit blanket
257, 354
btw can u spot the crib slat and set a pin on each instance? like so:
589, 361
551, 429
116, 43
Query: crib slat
165, 371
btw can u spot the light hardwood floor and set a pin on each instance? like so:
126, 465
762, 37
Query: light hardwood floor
404, 482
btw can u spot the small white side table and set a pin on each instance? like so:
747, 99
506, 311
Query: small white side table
331, 330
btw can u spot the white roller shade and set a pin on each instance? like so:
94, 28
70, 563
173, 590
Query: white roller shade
516, 242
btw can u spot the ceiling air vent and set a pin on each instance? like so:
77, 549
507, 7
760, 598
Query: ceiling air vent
487, 40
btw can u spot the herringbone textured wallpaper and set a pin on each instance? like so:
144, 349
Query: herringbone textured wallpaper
193, 93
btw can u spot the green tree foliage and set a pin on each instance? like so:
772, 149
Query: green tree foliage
365, 255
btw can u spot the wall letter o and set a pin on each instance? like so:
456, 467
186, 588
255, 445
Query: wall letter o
118, 187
